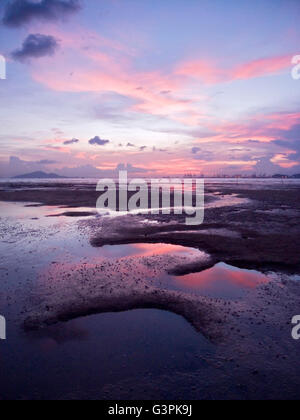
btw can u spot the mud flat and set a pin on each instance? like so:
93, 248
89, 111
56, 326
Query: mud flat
263, 219
68, 292
256, 233
252, 336
245, 227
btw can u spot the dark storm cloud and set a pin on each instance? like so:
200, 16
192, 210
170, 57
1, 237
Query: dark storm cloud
98, 142
73, 141
20, 12
36, 46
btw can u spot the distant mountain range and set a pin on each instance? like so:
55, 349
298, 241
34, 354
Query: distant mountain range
39, 175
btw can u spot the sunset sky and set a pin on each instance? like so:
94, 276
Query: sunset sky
157, 86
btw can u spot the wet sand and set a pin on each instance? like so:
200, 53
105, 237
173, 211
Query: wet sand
264, 221
251, 335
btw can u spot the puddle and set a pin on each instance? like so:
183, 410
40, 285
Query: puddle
34, 211
146, 250
222, 281
225, 201
79, 358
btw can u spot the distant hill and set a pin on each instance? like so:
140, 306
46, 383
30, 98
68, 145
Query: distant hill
296, 176
39, 175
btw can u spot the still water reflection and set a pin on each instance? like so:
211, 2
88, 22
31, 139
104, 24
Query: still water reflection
221, 281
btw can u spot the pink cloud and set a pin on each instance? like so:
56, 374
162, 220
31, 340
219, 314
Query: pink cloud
284, 120
56, 149
100, 72
88, 62
210, 72
261, 127
262, 67
282, 159
206, 71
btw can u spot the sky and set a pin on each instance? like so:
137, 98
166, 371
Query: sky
156, 87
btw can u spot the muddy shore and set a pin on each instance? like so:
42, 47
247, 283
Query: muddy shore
244, 227
261, 231
264, 228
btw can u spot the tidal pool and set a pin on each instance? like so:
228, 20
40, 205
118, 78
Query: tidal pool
146, 250
221, 281
78, 359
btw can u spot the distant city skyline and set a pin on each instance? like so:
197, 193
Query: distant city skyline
157, 87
